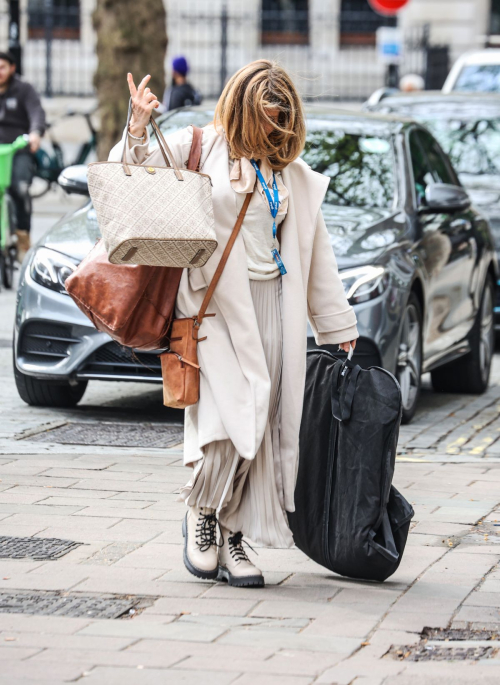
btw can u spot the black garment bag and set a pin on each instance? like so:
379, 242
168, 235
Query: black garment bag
348, 516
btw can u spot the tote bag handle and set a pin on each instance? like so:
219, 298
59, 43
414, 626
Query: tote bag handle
162, 144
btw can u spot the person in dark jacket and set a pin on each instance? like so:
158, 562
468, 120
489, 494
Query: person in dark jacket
20, 112
181, 93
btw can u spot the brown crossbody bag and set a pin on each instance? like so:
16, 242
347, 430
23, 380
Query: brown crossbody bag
179, 363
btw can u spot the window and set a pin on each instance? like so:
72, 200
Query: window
473, 145
64, 19
484, 78
359, 23
360, 167
495, 17
285, 22
429, 164
422, 172
441, 167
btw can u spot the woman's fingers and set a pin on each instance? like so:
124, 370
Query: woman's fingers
143, 100
142, 85
131, 84
345, 346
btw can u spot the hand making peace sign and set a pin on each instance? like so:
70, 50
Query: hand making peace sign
143, 103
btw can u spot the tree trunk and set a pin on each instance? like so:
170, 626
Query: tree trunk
131, 36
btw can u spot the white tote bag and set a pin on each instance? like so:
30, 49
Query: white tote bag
150, 215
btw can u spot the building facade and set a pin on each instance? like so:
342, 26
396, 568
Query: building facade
329, 45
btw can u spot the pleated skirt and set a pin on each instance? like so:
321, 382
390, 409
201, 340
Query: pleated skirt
248, 493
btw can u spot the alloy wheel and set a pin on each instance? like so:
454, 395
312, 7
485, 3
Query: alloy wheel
410, 357
486, 333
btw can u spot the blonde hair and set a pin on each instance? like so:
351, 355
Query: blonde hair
241, 114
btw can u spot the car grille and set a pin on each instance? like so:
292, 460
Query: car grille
114, 360
366, 353
45, 341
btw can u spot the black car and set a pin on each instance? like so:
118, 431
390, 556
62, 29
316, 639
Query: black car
467, 126
416, 260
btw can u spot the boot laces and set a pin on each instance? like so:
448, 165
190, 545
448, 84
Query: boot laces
236, 547
206, 531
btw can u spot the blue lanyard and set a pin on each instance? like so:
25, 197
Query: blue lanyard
274, 204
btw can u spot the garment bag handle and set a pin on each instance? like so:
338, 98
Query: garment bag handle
343, 389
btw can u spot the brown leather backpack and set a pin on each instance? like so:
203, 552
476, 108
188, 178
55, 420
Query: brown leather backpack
133, 304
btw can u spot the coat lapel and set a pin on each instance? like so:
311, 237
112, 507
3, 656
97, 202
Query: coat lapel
234, 308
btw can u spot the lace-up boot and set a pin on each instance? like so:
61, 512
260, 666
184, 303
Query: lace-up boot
200, 542
234, 565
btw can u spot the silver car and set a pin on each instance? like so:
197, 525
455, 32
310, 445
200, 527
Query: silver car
416, 259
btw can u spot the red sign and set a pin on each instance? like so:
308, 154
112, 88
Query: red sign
387, 7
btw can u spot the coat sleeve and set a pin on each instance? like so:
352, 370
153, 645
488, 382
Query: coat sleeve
331, 316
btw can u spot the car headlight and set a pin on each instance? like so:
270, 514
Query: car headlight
364, 283
51, 269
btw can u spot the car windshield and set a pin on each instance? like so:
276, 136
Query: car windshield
360, 167
473, 146
480, 78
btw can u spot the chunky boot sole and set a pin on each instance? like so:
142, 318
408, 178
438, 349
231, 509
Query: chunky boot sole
239, 581
199, 573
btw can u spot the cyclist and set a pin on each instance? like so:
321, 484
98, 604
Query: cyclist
20, 112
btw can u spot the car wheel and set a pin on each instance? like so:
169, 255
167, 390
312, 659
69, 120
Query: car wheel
471, 374
41, 393
409, 363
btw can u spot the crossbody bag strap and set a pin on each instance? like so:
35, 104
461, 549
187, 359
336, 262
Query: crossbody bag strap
223, 259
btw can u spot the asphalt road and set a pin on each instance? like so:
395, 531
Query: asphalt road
459, 426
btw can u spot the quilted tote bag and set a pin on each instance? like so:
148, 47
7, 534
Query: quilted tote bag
133, 304
348, 516
150, 215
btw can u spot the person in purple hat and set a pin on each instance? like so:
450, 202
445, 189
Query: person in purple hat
181, 93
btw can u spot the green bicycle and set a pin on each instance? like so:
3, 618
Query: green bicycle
8, 242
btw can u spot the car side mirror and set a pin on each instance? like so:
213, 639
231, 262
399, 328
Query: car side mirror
73, 179
444, 197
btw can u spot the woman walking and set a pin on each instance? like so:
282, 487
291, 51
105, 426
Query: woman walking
241, 438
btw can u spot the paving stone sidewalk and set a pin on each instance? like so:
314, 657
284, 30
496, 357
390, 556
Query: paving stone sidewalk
306, 626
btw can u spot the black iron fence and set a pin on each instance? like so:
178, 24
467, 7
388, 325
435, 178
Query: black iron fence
332, 56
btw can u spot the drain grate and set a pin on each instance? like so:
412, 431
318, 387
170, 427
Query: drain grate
73, 605
439, 644
459, 634
42, 549
113, 434
426, 652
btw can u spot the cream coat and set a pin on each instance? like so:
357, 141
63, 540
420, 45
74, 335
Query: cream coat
235, 385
